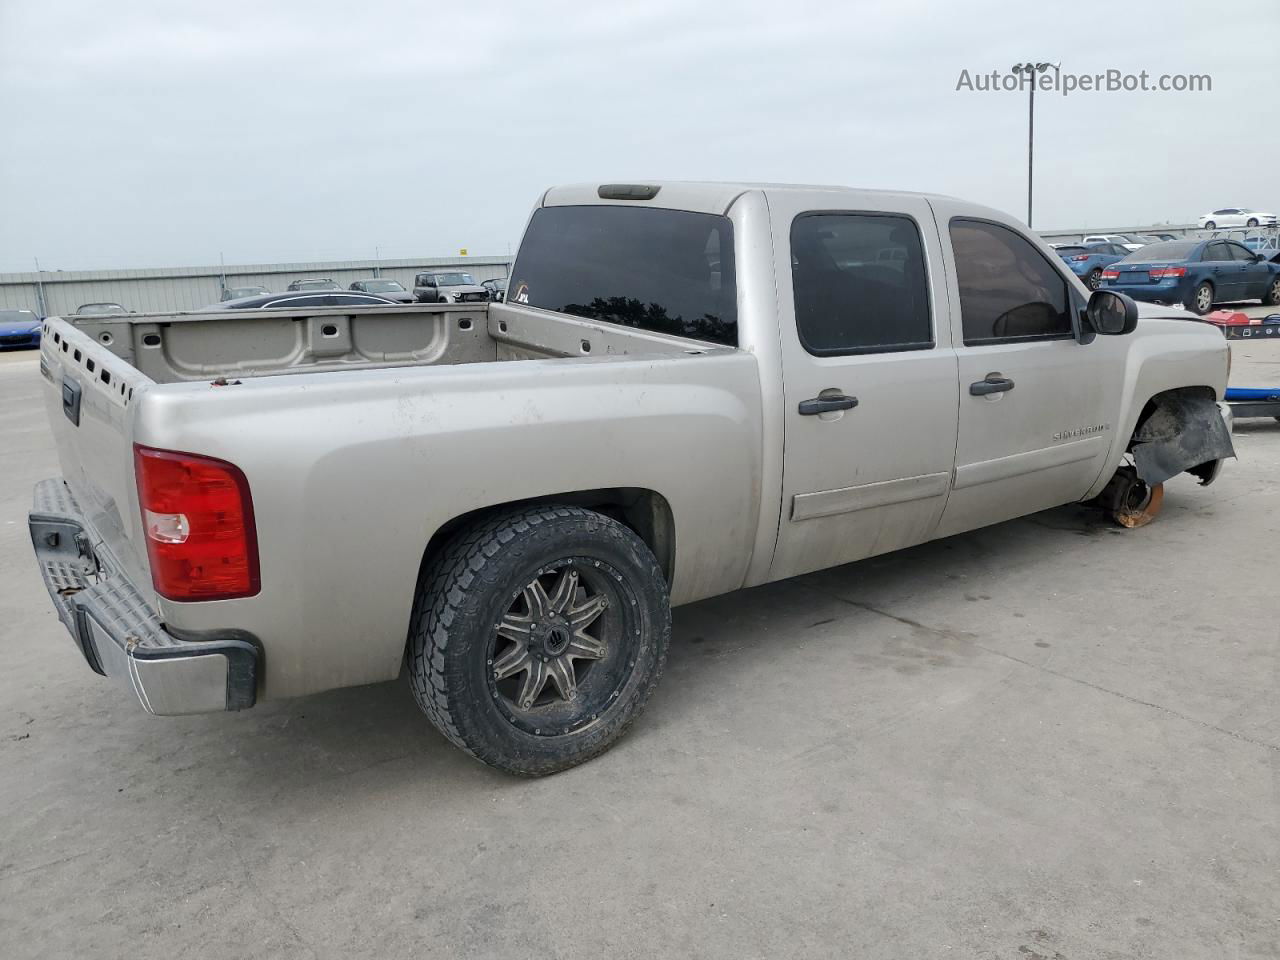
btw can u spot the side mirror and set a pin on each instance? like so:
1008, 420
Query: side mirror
1111, 314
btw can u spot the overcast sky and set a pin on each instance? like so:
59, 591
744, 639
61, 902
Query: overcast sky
161, 133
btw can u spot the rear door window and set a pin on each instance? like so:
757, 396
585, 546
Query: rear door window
1008, 290
664, 271
859, 281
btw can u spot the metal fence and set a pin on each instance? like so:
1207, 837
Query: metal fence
165, 290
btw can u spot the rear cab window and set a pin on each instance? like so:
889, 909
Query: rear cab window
860, 285
649, 268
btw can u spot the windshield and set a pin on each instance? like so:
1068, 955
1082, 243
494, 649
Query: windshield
383, 286
101, 308
18, 316
453, 279
1166, 250
1068, 251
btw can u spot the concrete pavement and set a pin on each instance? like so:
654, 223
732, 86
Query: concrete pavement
1047, 739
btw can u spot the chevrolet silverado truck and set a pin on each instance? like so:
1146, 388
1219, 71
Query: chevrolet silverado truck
691, 389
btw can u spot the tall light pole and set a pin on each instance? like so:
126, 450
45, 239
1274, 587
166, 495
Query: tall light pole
1032, 70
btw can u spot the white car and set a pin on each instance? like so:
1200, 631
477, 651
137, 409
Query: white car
1128, 241
1237, 217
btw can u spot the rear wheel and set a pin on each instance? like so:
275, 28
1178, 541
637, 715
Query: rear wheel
538, 636
1210, 225
1201, 300
1253, 222
1094, 278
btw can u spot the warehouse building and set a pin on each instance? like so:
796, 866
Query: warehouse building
170, 289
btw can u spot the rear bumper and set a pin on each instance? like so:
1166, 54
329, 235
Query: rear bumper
1165, 291
120, 635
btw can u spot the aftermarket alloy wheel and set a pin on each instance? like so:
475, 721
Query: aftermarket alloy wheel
538, 636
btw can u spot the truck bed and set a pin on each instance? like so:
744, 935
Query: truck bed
373, 428
171, 348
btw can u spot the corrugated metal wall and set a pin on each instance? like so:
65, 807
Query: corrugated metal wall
190, 288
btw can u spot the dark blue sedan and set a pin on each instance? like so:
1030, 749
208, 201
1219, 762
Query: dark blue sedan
19, 328
1196, 274
1088, 260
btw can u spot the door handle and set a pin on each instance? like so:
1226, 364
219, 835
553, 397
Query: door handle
993, 384
809, 408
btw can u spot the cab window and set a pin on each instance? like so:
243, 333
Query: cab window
860, 284
1008, 290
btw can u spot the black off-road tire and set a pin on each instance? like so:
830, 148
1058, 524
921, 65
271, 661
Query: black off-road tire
468, 587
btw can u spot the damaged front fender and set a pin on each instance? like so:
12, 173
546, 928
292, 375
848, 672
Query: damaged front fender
1184, 430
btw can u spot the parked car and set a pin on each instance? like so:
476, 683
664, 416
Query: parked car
19, 328
239, 293
87, 308
521, 500
326, 298
1088, 260
1127, 240
315, 283
1237, 217
1165, 236
448, 286
497, 289
1195, 273
388, 289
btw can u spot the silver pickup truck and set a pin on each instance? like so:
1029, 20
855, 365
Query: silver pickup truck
691, 388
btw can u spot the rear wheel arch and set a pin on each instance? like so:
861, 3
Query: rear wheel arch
645, 512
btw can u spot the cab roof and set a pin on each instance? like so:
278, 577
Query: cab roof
697, 196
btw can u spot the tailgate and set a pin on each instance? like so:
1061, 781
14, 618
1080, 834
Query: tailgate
90, 398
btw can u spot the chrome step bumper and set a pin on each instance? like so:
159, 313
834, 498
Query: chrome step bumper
120, 634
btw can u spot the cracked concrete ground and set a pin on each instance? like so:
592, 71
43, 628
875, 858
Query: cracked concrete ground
1048, 739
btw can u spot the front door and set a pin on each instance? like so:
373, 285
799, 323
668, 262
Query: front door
1036, 406
1255, 275
869, 376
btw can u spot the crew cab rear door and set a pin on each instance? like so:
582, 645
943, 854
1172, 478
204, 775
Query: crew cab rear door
1036, 406
869, 375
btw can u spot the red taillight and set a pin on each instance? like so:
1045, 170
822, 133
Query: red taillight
1110, 274
1082, 256
198, 521
1159, 272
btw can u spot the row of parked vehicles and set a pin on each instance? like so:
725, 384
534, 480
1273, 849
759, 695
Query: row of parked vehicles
1191, 272
443, 286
